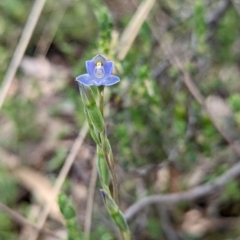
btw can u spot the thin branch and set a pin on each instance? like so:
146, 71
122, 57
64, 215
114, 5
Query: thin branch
186, 196
130, 33
213, 18
193, 89
21, 48
91, 190
62, 176
50, 29
166, 224
19, 219
236, 5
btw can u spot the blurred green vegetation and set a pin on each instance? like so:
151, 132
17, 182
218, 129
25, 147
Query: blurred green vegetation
152, 119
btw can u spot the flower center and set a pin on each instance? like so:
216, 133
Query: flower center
99, 70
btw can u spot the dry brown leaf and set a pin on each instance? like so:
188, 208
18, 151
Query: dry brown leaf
197, 175
40, 187
79, 192
33, 213
162, 179
195, 223
218, 108
8, 160
222, 115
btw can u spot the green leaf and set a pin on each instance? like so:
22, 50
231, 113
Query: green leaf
95, 117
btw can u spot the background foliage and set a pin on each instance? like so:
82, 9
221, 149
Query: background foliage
162, 138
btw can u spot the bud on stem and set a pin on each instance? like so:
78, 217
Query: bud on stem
93, 113
96, 117
87, 95
102, 166
95, 134
66, 207
114, 211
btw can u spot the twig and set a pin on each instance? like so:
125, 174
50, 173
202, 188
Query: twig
32, 215
211, 20
19, 219
197, 94
189, 195
214, 17
62, 176
91, 190
130, 33
51, 29
21, 48
166, 224
236, 5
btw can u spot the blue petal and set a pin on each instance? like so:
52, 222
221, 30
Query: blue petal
99, 58
108, 66
111, 80
90, 66
85, 79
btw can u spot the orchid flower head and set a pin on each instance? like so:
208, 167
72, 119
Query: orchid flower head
98, 72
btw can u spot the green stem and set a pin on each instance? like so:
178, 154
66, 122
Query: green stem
125, 235
110, 162
101, 98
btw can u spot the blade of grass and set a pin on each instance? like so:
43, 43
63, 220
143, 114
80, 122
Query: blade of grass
50, 30
21, 48
130, 33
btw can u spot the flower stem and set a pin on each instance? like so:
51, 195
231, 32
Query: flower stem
101, 98
110, 162
125, 235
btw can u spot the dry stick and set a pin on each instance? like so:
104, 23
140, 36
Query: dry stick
62, 176
190, 195
166, 225
197, 95
24, 222
236, 5
21, 48
51, 29
91, 190
130, 33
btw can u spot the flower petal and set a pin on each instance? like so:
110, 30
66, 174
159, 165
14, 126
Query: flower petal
108, 67
111, 80
99, 58
85, 79
90, 66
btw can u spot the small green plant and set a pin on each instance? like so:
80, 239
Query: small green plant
8, 193
231, 191
234, 102
99, 74
200, 27
68, 211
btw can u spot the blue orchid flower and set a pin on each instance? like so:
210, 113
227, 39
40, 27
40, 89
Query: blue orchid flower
98, 73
